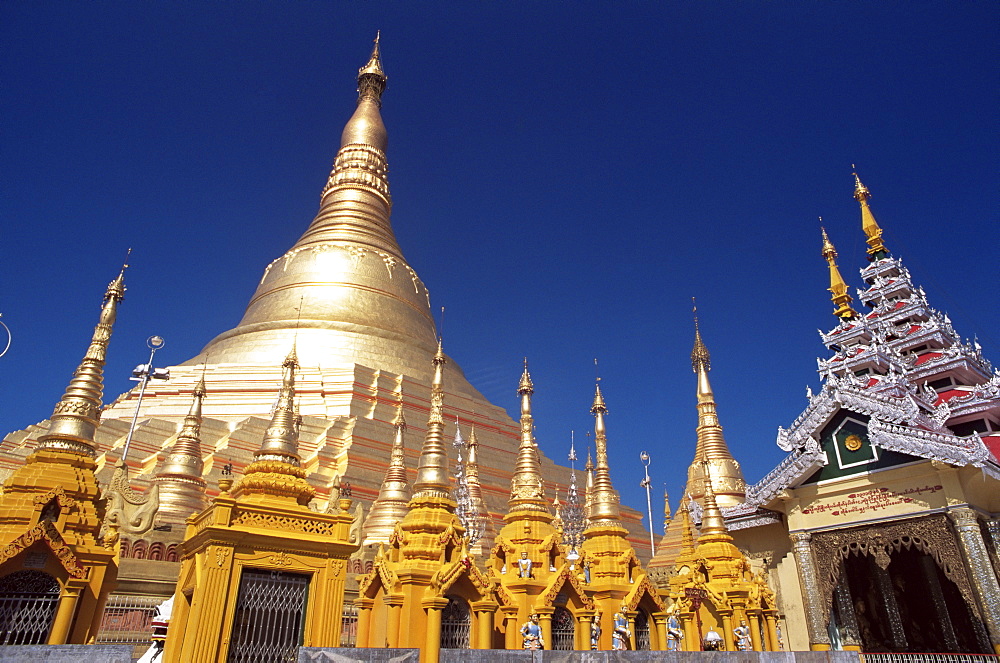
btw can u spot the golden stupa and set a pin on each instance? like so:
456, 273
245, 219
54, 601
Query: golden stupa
360, 320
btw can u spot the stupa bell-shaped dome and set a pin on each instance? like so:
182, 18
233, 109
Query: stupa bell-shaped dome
344, 290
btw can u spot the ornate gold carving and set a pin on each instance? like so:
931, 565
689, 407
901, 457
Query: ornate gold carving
282, 523
280, 559
221, 555
45, 531
58, 494
564, 577
853, 442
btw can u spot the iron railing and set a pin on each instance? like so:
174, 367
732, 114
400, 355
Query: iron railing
455, 623
270, 612
929, 658
563, 630
28, 601
128, 619
349, 626
642, 632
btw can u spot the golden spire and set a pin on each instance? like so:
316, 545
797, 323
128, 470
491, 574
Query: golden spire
604, 503
841, 300
712, 523
876, 248
432, 471
588, 489
725, 471
393, 497
472, 475
666, 510
281, 439
182, 488
77, 414
371, 77
687, 533
526, 490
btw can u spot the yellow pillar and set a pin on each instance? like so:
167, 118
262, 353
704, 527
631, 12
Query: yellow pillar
727, 628
754, 618
692, 639
511, 635
394, 606
482, 637
64, 613
431, 650
545, 621
633, 638
364, 621
770, 630
584, 619
660, 620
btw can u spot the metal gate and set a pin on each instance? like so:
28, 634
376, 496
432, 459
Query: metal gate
642, 631
349, 626
270, 611
563, 630
455, 622
28, 601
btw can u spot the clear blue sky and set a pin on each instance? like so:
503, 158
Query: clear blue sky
565, 178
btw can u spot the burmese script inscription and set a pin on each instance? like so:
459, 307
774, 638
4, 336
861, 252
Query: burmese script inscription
868, 501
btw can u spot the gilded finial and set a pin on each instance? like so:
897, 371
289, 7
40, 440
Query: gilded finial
700, 359
873, 232
590, 462
838, 288
371, 77
525, 386
598, 407
399, 421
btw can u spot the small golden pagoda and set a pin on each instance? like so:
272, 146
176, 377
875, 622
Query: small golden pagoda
181, 486
51, 508
617, 581
391, 505
425, 578
259, 556
723, 470
527, 560
482, 546
714, 589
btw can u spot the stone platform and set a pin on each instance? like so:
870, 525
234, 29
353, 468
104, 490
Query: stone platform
66, 654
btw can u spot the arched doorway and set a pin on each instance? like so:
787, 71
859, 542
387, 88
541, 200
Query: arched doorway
642, 631
28, 601
563, 629
455, 623
910, 606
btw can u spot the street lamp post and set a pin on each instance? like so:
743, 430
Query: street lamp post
646, 483
142, 374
